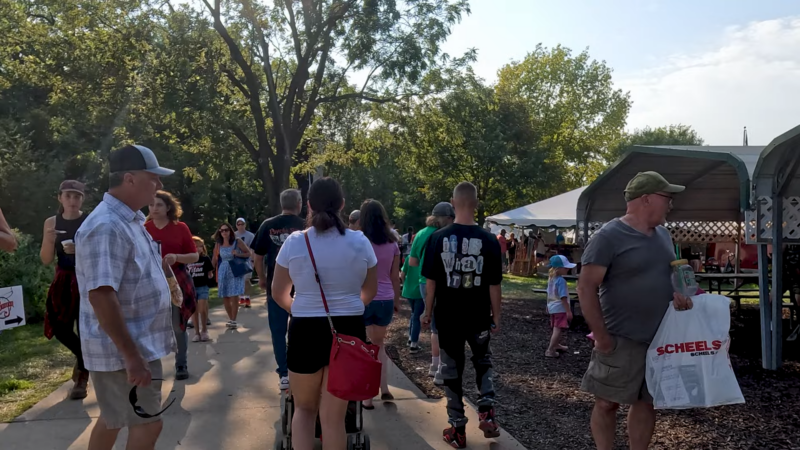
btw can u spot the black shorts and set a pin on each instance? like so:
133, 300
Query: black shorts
310, 339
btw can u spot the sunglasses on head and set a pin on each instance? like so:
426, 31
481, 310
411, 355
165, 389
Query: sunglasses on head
133, 398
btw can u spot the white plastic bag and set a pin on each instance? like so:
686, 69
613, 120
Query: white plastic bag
687, 362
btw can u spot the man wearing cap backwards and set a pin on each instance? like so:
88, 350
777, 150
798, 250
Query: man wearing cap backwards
125, 312
628, 261
247, 238
443, 214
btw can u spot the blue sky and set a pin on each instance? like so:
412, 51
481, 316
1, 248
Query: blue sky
713, 64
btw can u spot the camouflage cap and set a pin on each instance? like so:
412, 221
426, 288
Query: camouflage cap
645, 183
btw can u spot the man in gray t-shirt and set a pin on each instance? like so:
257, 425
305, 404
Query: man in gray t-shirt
628, 263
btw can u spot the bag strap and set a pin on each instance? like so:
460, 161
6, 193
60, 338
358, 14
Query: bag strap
319, 283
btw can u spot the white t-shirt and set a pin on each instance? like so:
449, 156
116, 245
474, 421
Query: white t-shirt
342, 262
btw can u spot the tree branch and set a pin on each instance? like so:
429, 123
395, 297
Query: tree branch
293, 26
232, 76
252, 82
361, 96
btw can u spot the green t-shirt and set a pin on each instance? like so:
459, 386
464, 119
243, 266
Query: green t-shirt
418, 248
411, 282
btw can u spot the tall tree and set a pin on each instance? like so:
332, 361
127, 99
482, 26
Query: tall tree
573, 106
472, 134
295, 55
667, 135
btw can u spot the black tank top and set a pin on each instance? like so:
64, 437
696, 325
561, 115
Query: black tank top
66, 261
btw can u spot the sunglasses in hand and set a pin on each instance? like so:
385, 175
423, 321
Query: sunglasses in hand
133, 398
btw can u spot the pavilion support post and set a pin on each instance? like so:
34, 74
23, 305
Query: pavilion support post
738, 263
777, 281
764, 303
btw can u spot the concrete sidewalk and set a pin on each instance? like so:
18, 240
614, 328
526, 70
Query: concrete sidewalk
232, 401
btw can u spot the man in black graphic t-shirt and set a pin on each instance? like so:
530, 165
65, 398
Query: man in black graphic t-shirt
268, 241
464, 269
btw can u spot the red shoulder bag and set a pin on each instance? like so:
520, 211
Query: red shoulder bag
354, 372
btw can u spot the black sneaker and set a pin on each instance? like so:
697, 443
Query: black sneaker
413, 347
488, 424
456, 437
181, 373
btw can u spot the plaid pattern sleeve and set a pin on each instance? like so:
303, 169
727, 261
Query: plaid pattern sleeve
103, 255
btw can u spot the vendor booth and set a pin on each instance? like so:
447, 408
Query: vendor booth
544, 229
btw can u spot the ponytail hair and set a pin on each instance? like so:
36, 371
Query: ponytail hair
553, 272
326, 199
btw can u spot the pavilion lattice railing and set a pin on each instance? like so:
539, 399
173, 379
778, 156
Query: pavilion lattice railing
758, 223
685, 231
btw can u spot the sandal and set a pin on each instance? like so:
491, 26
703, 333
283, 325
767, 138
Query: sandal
553, 355
367, 407
387, 397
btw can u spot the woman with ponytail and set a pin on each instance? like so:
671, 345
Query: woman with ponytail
346, 265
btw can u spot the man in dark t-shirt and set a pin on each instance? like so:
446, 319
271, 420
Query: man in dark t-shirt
268, 241
464, 269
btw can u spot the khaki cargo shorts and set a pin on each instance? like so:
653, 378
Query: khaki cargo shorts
112, 390
618, 376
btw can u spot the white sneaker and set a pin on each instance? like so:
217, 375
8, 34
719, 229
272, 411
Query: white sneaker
229, 323
234, 325
432, 370
284, 384
437, 379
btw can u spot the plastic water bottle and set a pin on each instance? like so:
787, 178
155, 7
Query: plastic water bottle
683, 280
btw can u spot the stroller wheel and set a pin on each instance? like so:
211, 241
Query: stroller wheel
351, 442
364, 442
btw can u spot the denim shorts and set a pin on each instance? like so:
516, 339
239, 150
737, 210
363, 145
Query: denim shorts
379, 312
202, 292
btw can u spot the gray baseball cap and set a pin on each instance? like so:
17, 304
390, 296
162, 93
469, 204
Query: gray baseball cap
134, 158
443, 209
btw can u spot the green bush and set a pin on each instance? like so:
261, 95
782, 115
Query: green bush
24, 268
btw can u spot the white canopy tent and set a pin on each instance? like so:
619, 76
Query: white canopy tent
555, 212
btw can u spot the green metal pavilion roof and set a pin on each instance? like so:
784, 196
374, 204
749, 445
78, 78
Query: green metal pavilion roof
776, 159
717, 180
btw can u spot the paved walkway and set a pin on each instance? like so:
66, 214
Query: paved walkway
231, 401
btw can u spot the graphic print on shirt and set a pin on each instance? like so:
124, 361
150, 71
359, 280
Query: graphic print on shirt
463, 265
279, 236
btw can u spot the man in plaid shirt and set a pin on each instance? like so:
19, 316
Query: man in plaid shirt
125, 313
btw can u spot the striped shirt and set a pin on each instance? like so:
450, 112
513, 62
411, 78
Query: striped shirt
112, 248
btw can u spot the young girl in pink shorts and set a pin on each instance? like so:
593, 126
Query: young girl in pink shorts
558, 303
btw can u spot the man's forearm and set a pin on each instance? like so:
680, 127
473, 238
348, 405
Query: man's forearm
258, 264
590, 308
109, 316
430, 296
496, 296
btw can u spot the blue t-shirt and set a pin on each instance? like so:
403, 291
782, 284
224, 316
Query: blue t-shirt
556, 290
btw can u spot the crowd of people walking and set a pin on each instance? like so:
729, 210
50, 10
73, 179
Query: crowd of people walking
127, 286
